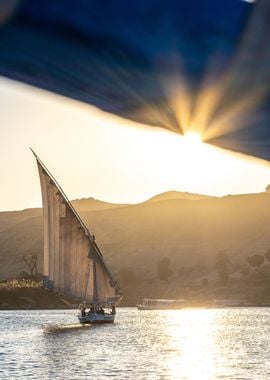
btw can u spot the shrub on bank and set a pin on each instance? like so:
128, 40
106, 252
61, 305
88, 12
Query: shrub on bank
23, 283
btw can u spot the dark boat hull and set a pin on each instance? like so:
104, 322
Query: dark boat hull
96, 318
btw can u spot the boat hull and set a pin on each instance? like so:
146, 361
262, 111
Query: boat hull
144, 307
93, 319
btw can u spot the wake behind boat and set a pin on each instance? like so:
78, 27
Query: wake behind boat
63, 328
73, 265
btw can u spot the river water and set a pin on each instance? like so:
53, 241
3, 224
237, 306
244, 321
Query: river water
183, 344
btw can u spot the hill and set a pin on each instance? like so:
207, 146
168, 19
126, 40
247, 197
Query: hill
136, 238
91, 204
177, 195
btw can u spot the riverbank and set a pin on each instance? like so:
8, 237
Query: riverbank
37, 298
19, 295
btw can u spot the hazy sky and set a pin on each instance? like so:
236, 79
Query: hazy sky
94, 154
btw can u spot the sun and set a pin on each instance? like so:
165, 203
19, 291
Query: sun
192, 139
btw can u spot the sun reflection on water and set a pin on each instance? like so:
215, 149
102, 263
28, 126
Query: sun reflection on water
187, 344
196, 346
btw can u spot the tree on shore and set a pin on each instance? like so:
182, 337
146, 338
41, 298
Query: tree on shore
163, 269
267, 255
31, 263
255, 260
222, 267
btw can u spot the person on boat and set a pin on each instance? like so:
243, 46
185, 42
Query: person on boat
101, 310
83, 308
113, 310
92, 309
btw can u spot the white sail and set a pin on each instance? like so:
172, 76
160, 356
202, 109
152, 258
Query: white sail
73, 264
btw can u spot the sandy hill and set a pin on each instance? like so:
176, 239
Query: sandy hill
91, 204
134, 238
189, 232
177, 195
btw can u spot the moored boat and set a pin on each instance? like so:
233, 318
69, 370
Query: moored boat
160, 304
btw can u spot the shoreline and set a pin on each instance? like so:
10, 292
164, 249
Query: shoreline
127, 307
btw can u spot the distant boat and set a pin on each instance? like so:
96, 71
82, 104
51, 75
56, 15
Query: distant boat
73, 265
160, 304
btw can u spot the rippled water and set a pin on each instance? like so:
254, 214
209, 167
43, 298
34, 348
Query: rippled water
183, 344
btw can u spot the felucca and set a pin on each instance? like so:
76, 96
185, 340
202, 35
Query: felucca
73, 265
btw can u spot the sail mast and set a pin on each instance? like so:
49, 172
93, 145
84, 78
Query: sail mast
95, 290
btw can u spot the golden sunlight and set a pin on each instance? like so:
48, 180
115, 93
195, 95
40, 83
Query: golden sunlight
113, 159
194, 346
188, 163
192, 139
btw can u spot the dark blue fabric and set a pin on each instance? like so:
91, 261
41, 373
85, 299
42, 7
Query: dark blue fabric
117, 54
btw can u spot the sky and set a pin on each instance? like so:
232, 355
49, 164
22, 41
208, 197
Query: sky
94, 154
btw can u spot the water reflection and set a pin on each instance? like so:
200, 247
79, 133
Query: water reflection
195, 345
167, 345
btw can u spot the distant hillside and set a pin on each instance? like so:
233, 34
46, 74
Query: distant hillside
135, 238
90, 204
177, 195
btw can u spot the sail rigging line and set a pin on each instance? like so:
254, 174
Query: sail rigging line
91, 238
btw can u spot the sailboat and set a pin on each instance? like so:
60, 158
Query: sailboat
73, 265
